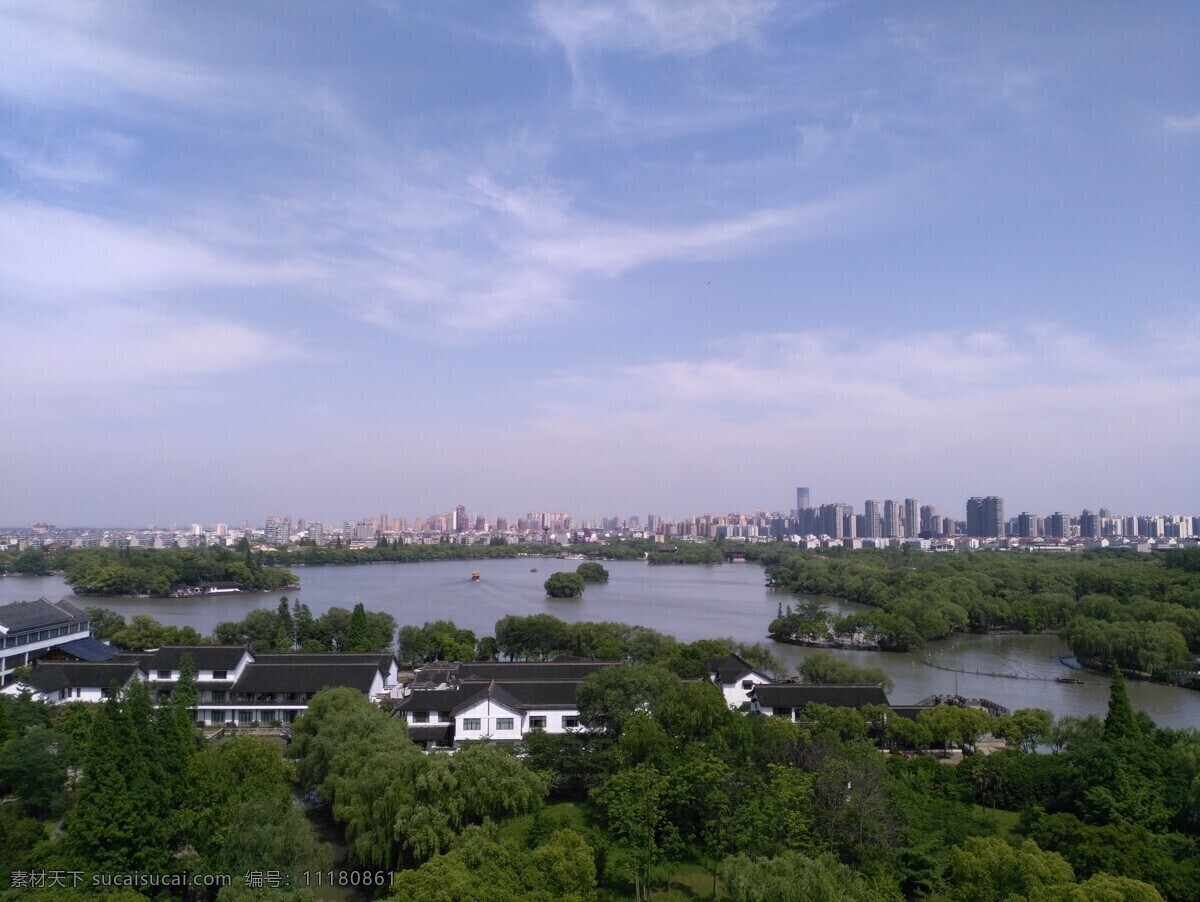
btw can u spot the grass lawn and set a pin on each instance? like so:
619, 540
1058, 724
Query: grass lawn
561, 814
1005, 821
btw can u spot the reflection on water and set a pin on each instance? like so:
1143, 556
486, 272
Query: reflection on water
689, 602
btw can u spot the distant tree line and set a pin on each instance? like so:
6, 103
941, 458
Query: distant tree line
156, 571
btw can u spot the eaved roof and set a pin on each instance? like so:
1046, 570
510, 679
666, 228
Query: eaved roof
544, 695
79, 674
307, 678
204, 657
87, 649
382, 660
731, 668
25, 615
529, 671
491, 691
797, 695
432, 700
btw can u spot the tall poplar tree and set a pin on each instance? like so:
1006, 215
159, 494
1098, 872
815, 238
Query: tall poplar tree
1120, 723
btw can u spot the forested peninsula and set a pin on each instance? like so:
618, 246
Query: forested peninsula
1139, 612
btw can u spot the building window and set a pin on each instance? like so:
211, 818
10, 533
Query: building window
504, 723
537, 723
746, 684
570, 723
244, 716
164, 674
218, 695
471, 723
220, 675
444, 717
420, 717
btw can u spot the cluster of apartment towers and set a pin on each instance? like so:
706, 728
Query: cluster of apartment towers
985, 519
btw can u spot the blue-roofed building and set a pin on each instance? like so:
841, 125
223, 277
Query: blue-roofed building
28, 629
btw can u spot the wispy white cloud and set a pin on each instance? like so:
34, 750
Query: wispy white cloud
652, 27
77, 55
88, 354
1182, 125
57, 254
1003, 407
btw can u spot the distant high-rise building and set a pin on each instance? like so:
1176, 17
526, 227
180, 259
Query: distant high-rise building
930, 521
802, 500
277, 531
912, 517
1029, 525
891, 520
872, 526
1058, 525
985, 517
460, 519
834, 519
1090, 525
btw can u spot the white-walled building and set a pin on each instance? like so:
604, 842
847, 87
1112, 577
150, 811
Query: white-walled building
28, 629
449, 703
736, 679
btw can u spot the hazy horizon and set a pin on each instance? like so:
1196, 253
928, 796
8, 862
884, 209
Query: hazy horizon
600, 256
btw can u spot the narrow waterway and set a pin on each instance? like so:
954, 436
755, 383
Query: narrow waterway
688, 602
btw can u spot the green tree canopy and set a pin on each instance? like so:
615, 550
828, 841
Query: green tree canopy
564, 584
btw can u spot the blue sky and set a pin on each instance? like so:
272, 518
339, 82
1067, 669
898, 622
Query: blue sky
608, 257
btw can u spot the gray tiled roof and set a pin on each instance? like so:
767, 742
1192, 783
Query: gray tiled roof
383, 661
204, 657
730, 669
544, 695
433, 700
797, 695
82, 674
26, 615
493, 691
306, 677
529, 671
429, 731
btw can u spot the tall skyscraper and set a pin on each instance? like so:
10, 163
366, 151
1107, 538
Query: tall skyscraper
912, 517
930, 521
1058, 525
802, 502
985, 517
460, 519
872, 527
891, 520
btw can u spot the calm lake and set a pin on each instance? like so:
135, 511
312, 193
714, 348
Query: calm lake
689, 602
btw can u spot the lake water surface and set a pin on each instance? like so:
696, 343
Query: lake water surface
687, 601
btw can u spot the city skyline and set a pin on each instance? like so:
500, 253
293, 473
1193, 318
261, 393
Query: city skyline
983, 517
596, 256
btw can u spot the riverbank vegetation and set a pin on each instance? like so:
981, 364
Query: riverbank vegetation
1140, 612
